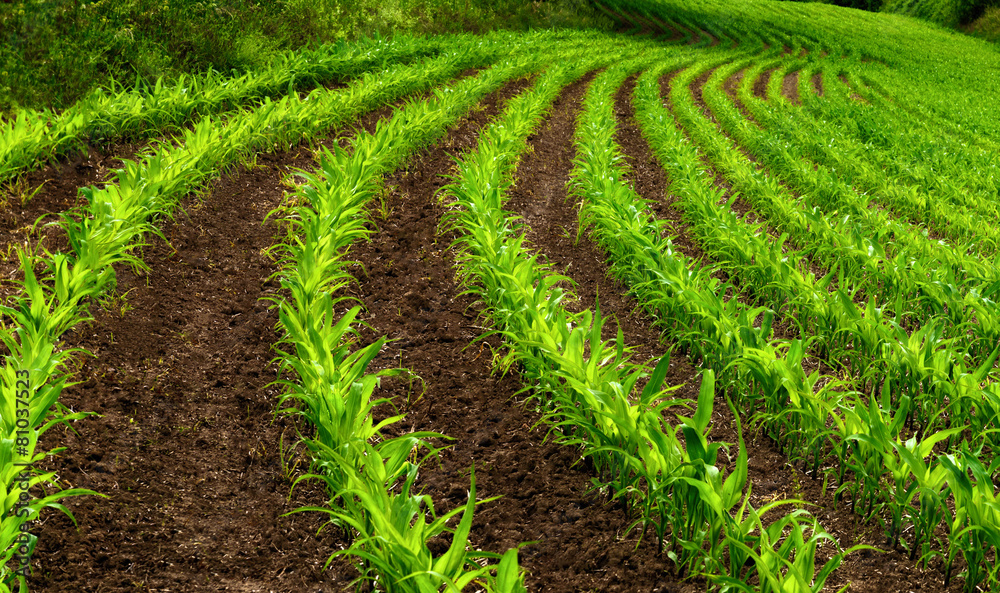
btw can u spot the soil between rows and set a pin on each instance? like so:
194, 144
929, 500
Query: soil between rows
196, 406
790, 87
46, 192
185, 446
412, 297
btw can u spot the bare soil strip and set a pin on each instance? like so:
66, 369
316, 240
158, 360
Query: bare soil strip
741, 206
540, 197
760, 85
58, 190
731, 87
193, 405
817, 82
185, 446
411, 296
49, 191
646, 175
790, 87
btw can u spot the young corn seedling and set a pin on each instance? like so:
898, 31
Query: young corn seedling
973, 528
784, 560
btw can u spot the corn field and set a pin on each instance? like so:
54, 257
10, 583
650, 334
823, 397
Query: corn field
707, 303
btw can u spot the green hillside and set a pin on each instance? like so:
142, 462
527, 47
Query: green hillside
54, 51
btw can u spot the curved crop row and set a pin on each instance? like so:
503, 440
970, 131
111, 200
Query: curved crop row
814, 418
884, 264
668, 474
369, 477
120, 215
31, 137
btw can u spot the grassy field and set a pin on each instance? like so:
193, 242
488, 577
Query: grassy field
54, 52
701, 297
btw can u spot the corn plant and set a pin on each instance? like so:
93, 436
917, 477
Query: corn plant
370, 479
784, 560
973, 527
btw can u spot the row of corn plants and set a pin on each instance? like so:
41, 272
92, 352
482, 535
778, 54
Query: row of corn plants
861, 234
685, 299
913, 148
917, 489
118, 217
895, 479
928, 364
970, 537
914, 169
697, 317
878, 227
667, 476
789, 149
925, 364
867, 341
369, 476
30, 137
833, 186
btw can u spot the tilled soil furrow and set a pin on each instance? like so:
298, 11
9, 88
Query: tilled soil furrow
760, 85
817, 82
647, 177
47, 192
58, 186
185, 447
790, 87
411, 296
194, 405
540, 197
770, 473
547, 212
740, 205
731, 87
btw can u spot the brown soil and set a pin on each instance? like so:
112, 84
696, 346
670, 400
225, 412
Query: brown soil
790, 87
195, 405
547, 212
185, 446
774, 477
731, 87
411, 296
698, 93
760, 85
817, 82
770, 472
647, 177
37, 197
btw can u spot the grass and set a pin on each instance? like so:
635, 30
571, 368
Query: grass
987, 26
54, 52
